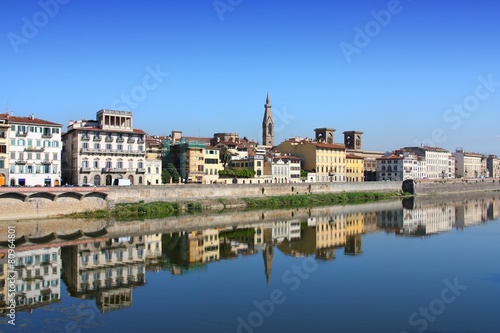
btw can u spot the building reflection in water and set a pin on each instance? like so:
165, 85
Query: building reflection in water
107, 269
38, 273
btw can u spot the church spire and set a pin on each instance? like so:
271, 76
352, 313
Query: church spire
268, 124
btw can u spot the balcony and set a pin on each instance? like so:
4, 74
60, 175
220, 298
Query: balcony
85, 138
85, 170
109, 139
140, 141
114, 170
119, 140
21, 161
130, 140
97, 138
46, 162
141, 170
47, 135
35, 149
21, 134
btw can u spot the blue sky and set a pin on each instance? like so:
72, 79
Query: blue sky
402, 72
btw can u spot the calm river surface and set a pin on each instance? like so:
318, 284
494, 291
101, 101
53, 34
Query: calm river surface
369, 268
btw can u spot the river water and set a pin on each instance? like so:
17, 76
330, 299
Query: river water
429, 266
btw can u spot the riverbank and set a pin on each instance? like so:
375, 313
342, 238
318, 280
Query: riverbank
160, 209
42, 203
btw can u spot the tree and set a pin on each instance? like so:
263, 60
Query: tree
173, 172
165, 176
225, 155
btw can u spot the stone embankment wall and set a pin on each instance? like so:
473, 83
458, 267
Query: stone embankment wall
192, 192
431, 187
37, 203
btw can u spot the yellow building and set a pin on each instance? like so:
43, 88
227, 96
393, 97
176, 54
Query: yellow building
4, 152
212, 165
354, 168
327, 160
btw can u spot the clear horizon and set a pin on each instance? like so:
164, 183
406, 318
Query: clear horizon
403, 72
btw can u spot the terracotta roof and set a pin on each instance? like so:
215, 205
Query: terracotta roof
285, 158
391, 157
27, 120
98, 129
328, 145
354, 156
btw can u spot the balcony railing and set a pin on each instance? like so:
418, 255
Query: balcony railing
46, 162
46, 135
114, 170
130, 140
85, 170
20, 161
22, 134
97, 138
109, 139
31, 148
111, 151
119, 140
141, 170
85, 138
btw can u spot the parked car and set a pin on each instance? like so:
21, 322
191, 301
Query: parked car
87, 185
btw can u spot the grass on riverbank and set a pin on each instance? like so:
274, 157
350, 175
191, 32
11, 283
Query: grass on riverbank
324, 199
141, 210
160, 209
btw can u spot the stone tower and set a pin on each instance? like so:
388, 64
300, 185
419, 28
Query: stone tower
325, 135
353, 140
268, 124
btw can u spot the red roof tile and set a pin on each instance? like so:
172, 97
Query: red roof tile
27, 120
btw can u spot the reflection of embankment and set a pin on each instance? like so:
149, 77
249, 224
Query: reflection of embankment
67, 228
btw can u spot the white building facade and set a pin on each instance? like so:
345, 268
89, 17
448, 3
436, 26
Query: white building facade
439, 162
469, 165
286, 169
34, 151
105, 150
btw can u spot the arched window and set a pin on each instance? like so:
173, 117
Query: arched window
270, 129
97, 180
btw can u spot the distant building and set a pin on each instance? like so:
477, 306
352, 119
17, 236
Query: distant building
469, 165
493, 166
353, 141
286, 169
34, 151
400, 166
439, 162
354, 168
322, 156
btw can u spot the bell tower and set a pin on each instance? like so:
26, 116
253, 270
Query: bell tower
325, 135
353, 140
268, 124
